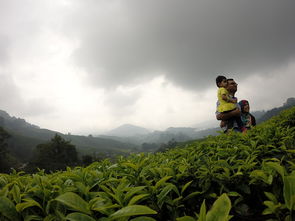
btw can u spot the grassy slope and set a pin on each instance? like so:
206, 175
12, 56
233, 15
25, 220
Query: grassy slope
175, 183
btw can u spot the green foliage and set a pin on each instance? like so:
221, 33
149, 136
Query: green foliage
74, 202
7, 208
133, 210
220, 209
6, 160
55, 155
235, 176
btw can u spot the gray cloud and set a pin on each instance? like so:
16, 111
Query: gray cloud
13, 101
122, 103
4, 55
125, 43
37, 107
191, 41
10, 98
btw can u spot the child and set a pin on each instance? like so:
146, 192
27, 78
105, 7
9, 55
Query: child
226, 103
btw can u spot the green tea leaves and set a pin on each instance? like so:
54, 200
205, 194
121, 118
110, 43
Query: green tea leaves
7, 209
74, 202
220, 209
133, 210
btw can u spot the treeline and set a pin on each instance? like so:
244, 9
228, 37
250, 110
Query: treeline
56, 154
6, 160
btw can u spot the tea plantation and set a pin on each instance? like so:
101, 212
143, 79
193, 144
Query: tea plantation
228, 177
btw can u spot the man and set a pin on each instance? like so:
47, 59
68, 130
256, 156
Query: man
232, 87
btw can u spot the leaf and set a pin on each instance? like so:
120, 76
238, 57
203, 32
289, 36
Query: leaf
162, 181
143, 218
16, 193
74, 202
277, 167
79, 217
261, 175
289, 191
133, 166
50, 217
202, 215
33, 217
271, 197
185, 218
133, 191
136, 198
220, 209
166, 190
133, 210
7, 208
185, 186
191, 195
28, 203
103, 206
233, 194
4, 191
288, 218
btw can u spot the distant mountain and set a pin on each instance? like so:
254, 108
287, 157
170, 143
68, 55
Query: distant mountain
25, 137
128, 130
122, 140
290, 102
258, 114
181, 134
189, 131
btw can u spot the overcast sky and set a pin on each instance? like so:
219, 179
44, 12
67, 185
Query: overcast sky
87, 66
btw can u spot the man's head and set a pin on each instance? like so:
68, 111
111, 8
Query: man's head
232, 86
221, 81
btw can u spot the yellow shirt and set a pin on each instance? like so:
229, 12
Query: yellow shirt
223, 105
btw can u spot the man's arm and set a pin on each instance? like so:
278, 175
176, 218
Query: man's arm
226, 116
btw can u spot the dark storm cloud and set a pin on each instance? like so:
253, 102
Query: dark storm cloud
190, 41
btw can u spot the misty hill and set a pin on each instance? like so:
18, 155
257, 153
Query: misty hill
290, 102
181, 134
122, 140
25, 137
128, 130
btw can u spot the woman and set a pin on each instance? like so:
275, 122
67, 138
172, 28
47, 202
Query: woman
247, 118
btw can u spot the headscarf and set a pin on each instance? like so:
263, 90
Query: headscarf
242, 104
245, 116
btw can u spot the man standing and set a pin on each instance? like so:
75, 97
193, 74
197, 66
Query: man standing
232, 87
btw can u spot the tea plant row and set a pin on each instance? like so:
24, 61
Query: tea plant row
237, 176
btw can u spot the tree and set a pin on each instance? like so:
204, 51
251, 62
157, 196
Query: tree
4, 164
56, 154
87, 160
149, 147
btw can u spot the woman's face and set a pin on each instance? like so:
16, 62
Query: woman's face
246, 108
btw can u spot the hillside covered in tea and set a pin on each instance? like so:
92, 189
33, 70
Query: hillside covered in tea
231, 176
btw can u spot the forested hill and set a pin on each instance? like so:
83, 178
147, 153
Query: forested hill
290, 102
25, 137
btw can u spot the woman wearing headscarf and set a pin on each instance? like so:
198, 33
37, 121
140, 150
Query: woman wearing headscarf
247, 118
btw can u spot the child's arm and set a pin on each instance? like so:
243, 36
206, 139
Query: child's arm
228, 99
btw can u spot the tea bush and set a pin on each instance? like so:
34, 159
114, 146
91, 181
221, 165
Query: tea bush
231, 176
